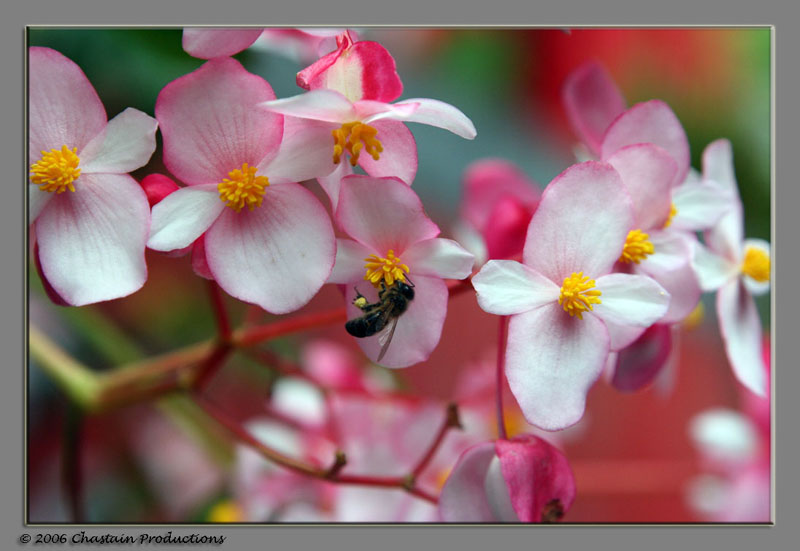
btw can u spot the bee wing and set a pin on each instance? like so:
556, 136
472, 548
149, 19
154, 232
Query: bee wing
385, 338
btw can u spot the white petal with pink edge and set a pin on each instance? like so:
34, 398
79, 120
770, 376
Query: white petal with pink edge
552, 359
439, 257
463, 497
350, 262
127, 143
91, 242
399, 156
321, 105
712, 270
332, 183
37, 200
306, 152
183, 216
441, 115
497, 493
631, 300
211, 43
741, 331
581, 223
756, 287
682, 285
700, 205
726, 237
718, 165
621, 336
507, 287
276, 256
368, 111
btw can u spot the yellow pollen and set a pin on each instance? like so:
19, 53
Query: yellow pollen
637, 247
695, 317
242, 187
226, 511
578, 294
386, 269
355, 137
756, 264
672, 212
56, 170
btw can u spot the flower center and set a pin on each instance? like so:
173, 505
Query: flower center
56, 170
672, 212
756, 264
242, 187
353, 137
637, 247
386, 269
578, 294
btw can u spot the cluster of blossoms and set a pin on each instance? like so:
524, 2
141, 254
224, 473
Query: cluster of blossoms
584, 274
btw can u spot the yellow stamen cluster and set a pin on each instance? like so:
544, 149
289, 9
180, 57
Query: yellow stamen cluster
578, 294
756, 264
353, 137
637, 247
672, 212
226, 511
56, 170
242, 187
387, 269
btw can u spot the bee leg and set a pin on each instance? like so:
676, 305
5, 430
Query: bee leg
360, 301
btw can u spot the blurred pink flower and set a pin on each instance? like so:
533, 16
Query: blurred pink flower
390, 230
554, 353
279, 250
210, 43
90, 217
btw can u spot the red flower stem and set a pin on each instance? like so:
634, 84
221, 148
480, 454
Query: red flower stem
221, 315
211, 365
260, 333
451, 420
501, 363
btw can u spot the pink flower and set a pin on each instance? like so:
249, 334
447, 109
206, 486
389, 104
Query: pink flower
90, 217
737, 269
393, 240
524, 479
210, 43
554, 352
267, 239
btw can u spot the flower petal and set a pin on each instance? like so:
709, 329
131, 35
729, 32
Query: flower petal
127, 143
211, 43
741, 331
306, 152
350, 262
463, 497
592, 101
157, 187
640, 363
37, 201
382, 213
91, 242
369, 111
725, 435
276, 256
551, 361
581, 223
63, 107
399, 157
756, 288
211, 125
649, 122
183, 216
699, 206
712, 270
647, 172
321, 105
441, 115
718, 165
332, 183
631, 300
725, 238
418, 328
439, 257
497, 493
507, 287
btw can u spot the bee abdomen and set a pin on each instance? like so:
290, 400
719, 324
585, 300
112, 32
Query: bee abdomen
365, 326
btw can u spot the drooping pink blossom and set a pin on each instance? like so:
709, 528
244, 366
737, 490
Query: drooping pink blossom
91, 219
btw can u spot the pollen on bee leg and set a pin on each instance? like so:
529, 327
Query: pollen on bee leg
355, 137
384, 270
578, 294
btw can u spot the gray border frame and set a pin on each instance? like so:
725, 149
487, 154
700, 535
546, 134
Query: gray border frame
408, 12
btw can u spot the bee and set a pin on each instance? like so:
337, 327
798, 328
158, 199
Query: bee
382, 315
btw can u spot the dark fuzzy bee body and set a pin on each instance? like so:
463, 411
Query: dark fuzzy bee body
392, 302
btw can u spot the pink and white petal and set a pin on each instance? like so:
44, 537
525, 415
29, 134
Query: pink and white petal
439, 257
211, 125
471, 240
629, 299
382, 213
276, 256
673, 250
63, 106
726, 237
649, 122
498, 494
592, 101
37, 201
91, 242
127, 143
441, 115
718, 165
699, 206
506, 287
712, 270
306, 152
571, 231
199, 260
682, 286
741, 330
369, 111
538, 477
418, 329
552, 359
332, 183
507, 227
489, 180
321, 105
463, 497
399, 156
756, 288
157, 187
647, 172
350, 262
638, 365
621, 336
183, 216
211, 43
316, 75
